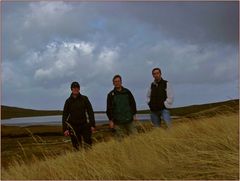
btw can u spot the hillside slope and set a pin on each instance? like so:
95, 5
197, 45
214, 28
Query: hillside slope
204, 149
14, 112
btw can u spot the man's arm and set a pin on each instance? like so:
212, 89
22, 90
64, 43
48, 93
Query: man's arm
109, 110
90, 112
132, 103
65, 115
148, 95
169, 101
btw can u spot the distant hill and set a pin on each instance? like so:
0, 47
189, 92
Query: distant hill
14, 112
204, 109
210, 109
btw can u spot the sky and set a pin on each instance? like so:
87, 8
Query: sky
47, 45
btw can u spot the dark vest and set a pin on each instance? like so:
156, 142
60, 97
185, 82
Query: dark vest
158, 95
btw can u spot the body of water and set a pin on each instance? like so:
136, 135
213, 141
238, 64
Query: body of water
57, 120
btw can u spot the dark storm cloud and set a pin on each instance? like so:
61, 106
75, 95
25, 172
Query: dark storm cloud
46, 45
194, 22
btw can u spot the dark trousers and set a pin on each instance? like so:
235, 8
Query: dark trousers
81, 133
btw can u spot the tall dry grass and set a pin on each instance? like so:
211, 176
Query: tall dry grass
202, 149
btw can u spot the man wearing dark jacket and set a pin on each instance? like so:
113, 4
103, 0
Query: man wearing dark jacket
121, 109
160, 99
74, 120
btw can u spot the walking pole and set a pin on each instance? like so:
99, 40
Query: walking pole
72, 130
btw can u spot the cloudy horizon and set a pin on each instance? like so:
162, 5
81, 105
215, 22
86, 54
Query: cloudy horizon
47, 45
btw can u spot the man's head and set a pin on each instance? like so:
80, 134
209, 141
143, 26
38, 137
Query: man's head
117, 81
75, 88
156, 73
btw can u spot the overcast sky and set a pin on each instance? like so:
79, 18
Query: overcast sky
47, 45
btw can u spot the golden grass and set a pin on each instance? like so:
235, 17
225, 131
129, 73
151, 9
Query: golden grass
202, 149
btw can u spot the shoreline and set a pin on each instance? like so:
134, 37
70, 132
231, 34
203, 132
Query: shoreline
35, 116
8, 112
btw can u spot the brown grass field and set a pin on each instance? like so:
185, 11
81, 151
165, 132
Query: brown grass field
202, 149
202, 146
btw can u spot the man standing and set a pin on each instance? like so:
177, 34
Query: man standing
121, 109
74, 119
159, 99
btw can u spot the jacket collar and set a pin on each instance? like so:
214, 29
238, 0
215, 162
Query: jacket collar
158, 82
115, 90
78, 96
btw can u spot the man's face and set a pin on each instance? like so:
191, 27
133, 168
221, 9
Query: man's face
156, 75
75, 90
117, 82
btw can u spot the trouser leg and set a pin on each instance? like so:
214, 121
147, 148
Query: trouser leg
87, 135
124, 129
76, 138
119, 131
156, 118
166, 117
131, 128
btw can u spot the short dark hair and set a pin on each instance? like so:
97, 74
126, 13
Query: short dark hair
75, 85
156, 68
117, 76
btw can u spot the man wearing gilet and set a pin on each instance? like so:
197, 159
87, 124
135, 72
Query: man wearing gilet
159, 99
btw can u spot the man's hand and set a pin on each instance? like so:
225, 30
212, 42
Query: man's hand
111, 124
66, 133
93, 129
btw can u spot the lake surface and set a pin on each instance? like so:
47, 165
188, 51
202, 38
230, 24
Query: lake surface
57, 120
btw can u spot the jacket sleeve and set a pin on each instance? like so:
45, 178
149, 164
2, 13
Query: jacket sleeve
132, 103
65, 115
148, 95
109, 110
90, 112
169, 101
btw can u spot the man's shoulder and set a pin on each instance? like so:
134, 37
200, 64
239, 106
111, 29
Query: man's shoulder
68, 99
154, 83
111, 93
165, 80
84, 97
126, 90
167, 83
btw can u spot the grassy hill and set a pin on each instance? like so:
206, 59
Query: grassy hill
189, 111
203, 149
206, 110
14, 112
202, 144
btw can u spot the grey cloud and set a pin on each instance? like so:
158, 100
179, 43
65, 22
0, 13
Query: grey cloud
193, 42
190, 22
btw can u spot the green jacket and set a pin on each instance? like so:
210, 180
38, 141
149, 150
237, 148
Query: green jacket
121, 106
